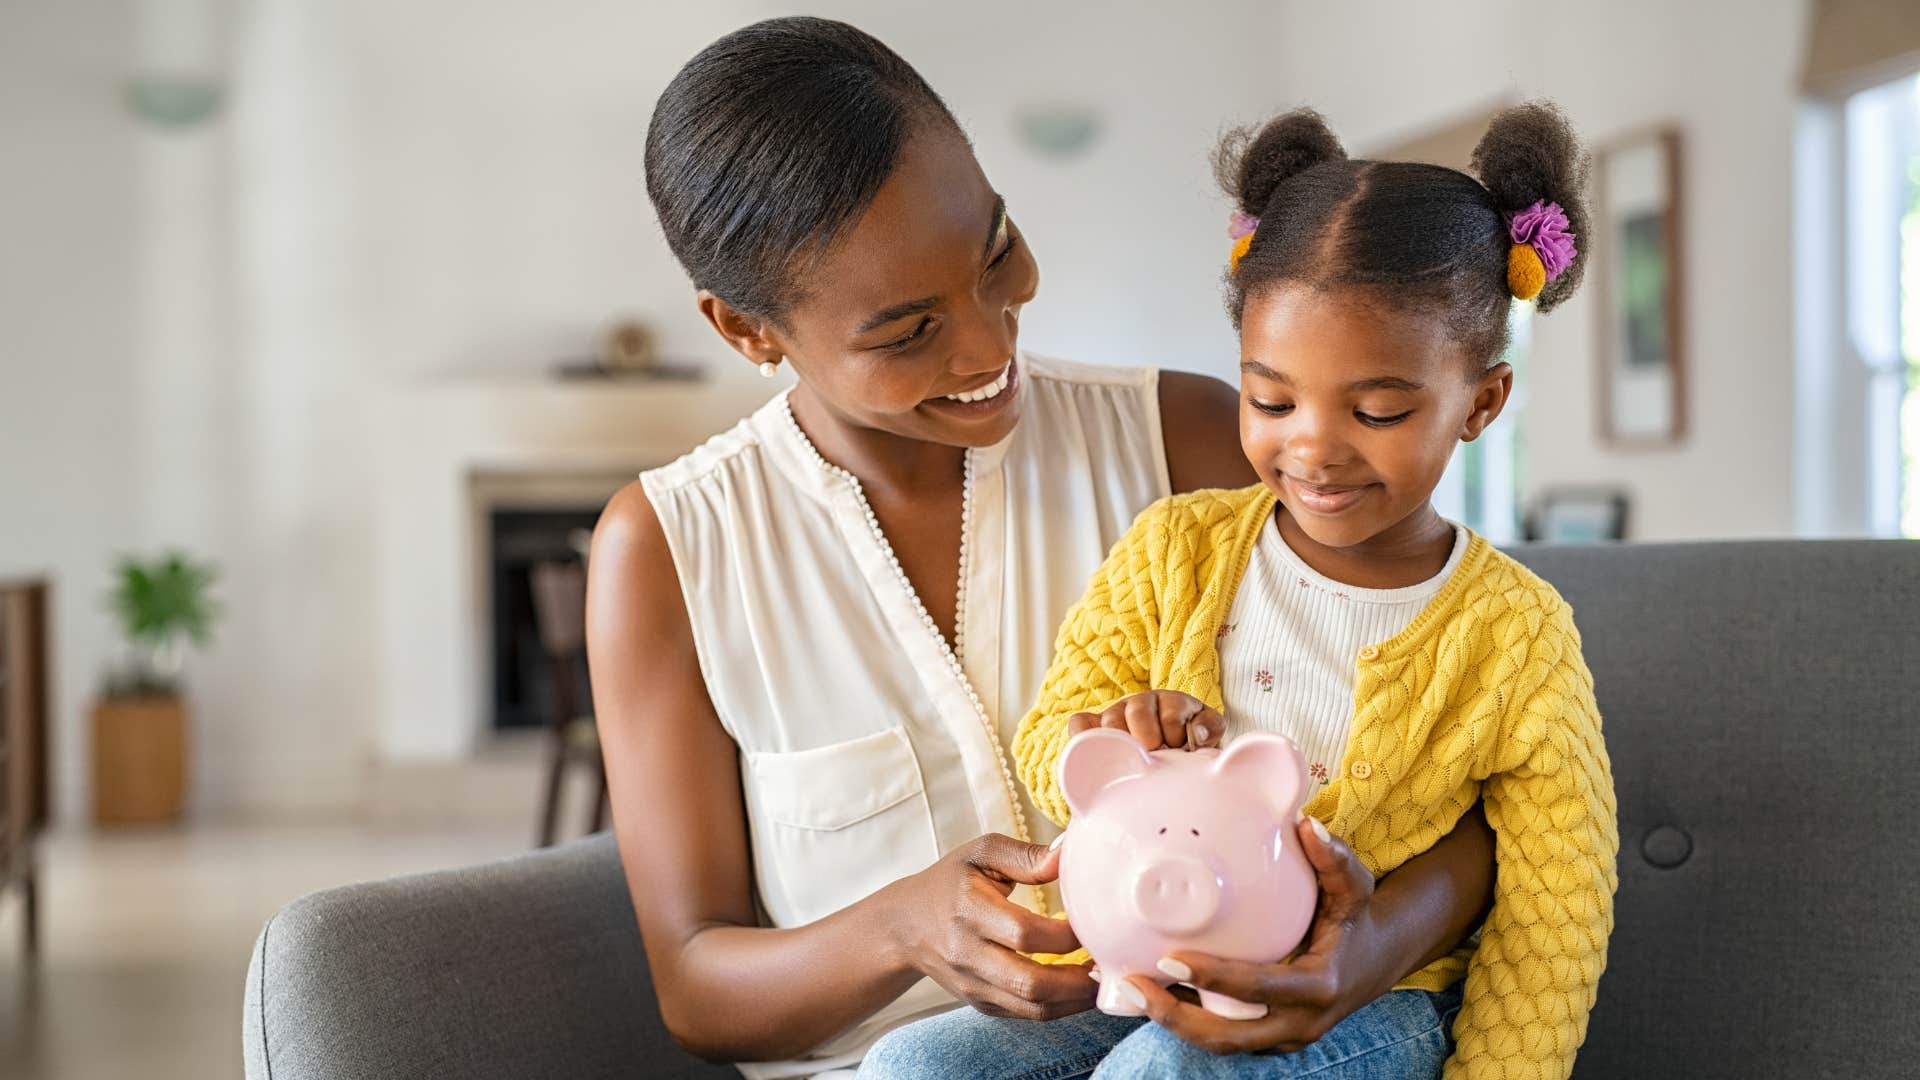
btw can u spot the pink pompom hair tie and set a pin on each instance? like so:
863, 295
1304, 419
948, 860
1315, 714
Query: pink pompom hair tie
1241, 227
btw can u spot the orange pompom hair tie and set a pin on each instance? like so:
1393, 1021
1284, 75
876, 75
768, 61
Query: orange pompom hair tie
1526, 274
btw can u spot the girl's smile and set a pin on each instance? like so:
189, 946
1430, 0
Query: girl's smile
1325, 499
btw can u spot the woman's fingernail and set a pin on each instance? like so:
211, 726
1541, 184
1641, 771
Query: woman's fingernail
1319, 830
1055, 846
1201, 733
1175, 968
1094, 974
1132, 993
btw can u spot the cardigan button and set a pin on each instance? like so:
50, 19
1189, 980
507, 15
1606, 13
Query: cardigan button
1361, 770
1370, 653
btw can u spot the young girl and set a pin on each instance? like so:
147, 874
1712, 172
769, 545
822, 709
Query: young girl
1420, 670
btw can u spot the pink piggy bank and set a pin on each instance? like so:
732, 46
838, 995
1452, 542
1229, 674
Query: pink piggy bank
1183, 850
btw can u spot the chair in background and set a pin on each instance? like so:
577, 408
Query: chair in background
560, 613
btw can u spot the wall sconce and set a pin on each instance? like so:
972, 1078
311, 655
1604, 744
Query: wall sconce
1060, 129
174, 101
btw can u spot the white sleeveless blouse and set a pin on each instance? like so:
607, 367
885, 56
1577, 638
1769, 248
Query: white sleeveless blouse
868, 746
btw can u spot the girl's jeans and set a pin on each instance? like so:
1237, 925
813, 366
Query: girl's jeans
1406, 1034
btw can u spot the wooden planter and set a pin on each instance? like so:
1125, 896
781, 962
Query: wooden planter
139, 759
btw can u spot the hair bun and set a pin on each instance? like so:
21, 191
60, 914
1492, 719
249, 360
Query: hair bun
1530, 154
1252, 164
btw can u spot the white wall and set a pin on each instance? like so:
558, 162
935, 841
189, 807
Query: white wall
1725, 72
69, 212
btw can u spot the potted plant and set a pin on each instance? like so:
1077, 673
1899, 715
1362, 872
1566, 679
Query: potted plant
140, 724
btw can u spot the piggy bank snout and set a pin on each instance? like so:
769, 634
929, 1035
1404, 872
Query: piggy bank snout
1176, 894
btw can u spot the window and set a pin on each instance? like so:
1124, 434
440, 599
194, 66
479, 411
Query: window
1481, 487
1910, 338
1883, 242
1857, 252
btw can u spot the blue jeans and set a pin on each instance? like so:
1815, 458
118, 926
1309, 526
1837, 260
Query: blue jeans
1406, 1034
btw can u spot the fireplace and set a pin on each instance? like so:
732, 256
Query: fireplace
525, 521
523, 694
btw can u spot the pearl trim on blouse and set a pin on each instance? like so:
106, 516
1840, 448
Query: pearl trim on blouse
966, 560
952, 651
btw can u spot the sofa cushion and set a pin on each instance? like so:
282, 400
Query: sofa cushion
1761, 704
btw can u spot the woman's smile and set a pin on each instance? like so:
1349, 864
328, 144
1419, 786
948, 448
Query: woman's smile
981, 401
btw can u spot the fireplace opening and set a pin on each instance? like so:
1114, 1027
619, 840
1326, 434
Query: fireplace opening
524, 671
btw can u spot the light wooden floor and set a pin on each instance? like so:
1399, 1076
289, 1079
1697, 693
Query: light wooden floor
146, 936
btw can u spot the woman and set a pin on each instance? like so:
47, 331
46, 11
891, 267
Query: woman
812, 637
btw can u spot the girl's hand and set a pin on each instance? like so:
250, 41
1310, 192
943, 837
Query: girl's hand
1157, 719
954, 924
1340, 971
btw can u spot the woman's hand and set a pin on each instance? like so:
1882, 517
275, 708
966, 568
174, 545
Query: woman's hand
1157, 719
954, 924
1345, 966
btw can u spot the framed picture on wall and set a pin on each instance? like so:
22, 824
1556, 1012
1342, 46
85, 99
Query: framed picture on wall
1642, 369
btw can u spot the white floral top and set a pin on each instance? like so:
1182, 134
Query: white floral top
1291, 642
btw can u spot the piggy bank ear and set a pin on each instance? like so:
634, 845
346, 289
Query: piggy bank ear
1096, 758
1274, 764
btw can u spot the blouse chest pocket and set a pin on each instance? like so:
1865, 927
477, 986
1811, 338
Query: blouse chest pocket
835, 823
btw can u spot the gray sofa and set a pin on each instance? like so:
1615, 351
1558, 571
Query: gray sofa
1762, 708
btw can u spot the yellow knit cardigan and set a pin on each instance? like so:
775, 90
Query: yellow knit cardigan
1483, 697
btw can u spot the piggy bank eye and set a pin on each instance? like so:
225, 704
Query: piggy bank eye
1195, 832
1163, 830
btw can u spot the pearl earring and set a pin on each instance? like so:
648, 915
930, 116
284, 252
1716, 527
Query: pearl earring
767, 369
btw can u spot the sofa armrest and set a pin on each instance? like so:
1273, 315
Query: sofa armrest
530, 966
